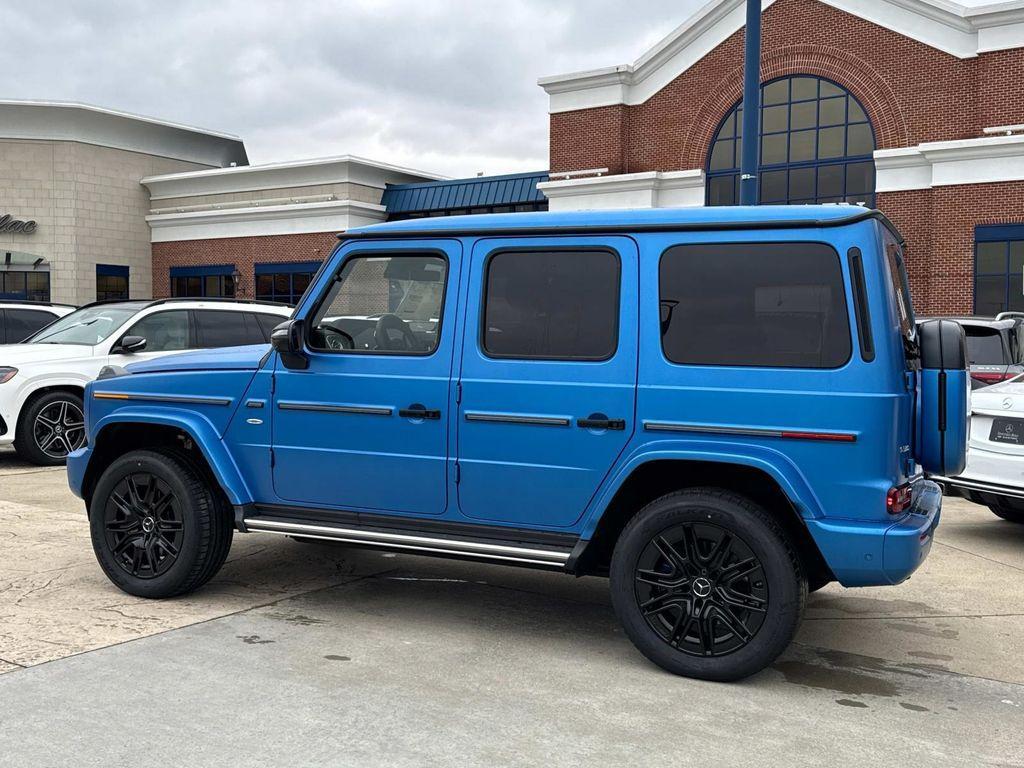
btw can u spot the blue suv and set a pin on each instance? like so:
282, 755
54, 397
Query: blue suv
719, 409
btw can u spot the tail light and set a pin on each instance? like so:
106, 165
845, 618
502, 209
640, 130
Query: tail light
898, 500
993, 378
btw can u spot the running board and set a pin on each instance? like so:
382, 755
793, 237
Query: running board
407, 541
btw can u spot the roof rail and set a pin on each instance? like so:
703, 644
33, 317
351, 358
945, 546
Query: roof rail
145, 303
1009, 315
29, 302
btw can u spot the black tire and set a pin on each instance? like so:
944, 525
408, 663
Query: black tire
158, 528
1011, 510
50, 426
747, 621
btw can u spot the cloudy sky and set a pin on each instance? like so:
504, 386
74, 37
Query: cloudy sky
441, 85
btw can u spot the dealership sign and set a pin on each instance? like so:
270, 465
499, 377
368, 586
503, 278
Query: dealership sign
10, 224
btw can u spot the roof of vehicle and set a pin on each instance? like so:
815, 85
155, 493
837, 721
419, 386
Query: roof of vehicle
39, 304
973, 320
626, 221
145, 303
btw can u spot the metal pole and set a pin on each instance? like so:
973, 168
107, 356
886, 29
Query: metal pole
751, 106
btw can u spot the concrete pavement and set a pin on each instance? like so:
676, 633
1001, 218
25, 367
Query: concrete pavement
319, 655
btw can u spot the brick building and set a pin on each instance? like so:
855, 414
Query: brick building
916, 106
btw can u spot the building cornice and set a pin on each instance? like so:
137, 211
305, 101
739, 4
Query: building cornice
282, 175
987, 160
959, 30
328, 216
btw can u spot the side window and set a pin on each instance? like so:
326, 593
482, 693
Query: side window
163, 331
552, 305
22, 323
268, 323
773, 305
217, 328
384, 304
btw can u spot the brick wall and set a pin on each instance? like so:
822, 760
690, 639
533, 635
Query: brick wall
912, 92
243, 252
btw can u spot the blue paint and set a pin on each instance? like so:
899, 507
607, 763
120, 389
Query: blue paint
560, 477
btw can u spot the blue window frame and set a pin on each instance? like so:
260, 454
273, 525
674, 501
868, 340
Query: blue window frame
817, 146
111, 282
284, 282
998, 269
24, 285
214, 281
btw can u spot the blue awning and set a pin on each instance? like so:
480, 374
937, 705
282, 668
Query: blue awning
458, 194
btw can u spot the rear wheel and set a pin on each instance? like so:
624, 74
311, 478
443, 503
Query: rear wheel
707, 585
51, 426
1008, 509
158, 529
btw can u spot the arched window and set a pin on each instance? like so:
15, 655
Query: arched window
817, 146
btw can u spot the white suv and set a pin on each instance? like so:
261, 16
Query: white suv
42, 379
20, 319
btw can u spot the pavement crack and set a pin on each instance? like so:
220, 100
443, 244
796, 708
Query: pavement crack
982, 557
12, 663
916, 618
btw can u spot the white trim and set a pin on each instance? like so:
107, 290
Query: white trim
984, 160
651, 189
23, 119
329, 216
282, 175
956, 29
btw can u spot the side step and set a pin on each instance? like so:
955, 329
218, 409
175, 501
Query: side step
496, 550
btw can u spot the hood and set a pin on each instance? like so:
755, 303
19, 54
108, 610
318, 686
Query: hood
222, 359
19, 354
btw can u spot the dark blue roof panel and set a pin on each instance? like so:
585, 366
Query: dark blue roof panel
511, 189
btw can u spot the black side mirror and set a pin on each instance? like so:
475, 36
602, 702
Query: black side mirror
286, 340
131, 344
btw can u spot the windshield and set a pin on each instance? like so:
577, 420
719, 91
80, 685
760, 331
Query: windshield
89, 325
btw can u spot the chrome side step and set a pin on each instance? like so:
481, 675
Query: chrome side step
433, 545
976, 485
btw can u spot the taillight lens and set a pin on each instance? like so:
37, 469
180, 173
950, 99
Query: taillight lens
897, 501
993, 378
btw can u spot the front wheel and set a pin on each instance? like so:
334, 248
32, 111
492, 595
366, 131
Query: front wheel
1008, 509
158, 529
51, 426
707, 585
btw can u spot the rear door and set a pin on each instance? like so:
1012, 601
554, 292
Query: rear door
548, 379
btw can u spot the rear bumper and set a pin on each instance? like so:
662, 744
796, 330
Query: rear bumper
868, 554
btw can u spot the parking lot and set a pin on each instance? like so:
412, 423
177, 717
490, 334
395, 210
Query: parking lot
306, 654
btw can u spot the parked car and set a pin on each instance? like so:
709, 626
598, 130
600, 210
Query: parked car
994, 475
42, 379
20, 319
713, 407
995, 347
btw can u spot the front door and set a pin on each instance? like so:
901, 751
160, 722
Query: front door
365, 427
548, 379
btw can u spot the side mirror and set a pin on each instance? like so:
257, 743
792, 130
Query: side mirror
131, 344
286, 340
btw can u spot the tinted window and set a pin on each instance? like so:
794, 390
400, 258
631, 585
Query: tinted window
22, 323
268, 323
225, 329
561, 305
383, 304
163, 331
984, 346
779, 305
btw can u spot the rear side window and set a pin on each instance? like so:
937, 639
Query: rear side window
225, 329
552, 305
984, 346
773, 305
22, 323
268, 323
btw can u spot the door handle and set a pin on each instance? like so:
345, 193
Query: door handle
417, 411
601, 423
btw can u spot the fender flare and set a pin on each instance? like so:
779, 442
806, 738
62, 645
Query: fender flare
204, 435
775, 464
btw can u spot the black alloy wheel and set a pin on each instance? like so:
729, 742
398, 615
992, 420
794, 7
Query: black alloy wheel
701, 589
143, 525
59, 428
708, 584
